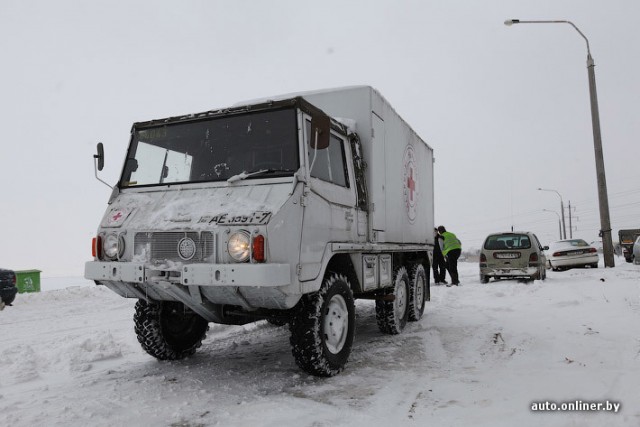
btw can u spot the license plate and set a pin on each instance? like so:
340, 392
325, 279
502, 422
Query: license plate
575, 252
507, 255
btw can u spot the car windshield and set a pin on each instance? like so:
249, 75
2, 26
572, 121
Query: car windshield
579, 243
507, 241
214, 149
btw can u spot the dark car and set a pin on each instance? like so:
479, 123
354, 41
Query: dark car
8, 289
627, 238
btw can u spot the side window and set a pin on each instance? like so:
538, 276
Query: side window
329, 163
537, 242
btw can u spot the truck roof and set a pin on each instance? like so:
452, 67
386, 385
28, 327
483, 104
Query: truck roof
258, 105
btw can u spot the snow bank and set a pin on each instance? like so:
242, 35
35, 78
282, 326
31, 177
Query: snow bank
480, 357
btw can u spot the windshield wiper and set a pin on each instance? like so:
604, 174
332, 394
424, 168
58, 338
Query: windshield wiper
244, 175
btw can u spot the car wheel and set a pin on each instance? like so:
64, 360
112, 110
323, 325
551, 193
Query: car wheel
484, 279
322, 329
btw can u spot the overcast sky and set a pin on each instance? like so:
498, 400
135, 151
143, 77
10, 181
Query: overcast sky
506, 109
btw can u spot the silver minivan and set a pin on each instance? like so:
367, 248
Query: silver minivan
512, 255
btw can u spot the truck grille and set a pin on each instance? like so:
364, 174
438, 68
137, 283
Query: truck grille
164, 246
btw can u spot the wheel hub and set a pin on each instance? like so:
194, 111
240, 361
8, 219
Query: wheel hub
419, 291
336, 324
401, 300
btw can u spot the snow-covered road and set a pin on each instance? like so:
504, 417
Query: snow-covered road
481, 356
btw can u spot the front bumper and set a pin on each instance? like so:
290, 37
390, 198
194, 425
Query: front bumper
508, 272
237, 275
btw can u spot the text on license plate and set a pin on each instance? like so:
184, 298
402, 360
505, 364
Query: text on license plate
507, 255
575, 252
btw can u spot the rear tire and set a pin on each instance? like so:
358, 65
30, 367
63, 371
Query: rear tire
484, 279
168, 330
541, 274
323, 327
417, 293
392, 315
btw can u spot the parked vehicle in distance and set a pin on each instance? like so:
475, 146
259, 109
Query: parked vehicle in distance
636, 251
8, 289
570, 253
627, 237
512, 255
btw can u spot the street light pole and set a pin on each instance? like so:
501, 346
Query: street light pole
564, 227
603, 198
559, 226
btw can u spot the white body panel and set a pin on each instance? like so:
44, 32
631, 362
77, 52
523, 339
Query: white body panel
401, 203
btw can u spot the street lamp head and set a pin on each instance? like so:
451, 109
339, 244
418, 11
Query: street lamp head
510, 22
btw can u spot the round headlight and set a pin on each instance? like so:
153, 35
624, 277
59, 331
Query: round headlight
239, 246
186, 248
110, 246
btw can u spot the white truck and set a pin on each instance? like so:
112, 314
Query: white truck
284, 209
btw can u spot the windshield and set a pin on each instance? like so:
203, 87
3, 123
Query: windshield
507, 241
214, 149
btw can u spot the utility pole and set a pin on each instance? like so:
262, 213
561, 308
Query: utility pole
603, 198
570, 225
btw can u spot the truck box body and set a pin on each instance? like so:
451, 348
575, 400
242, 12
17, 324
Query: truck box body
399, 164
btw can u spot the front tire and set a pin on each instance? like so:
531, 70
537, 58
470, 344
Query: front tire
323, 327
417, 293
392, 315
168, 330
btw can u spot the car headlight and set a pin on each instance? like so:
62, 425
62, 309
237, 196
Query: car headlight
112, 246
239, 246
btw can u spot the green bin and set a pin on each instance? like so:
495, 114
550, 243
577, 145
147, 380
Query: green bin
28, 281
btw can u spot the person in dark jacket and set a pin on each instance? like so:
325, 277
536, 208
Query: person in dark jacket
451, 250
439, 263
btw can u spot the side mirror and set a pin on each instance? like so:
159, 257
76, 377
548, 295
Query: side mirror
100, 156
99, 165
320, 132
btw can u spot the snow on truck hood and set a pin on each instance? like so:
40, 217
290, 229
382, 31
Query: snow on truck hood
196, 209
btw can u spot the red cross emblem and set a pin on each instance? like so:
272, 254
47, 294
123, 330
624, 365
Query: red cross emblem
411, 183
117, 216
